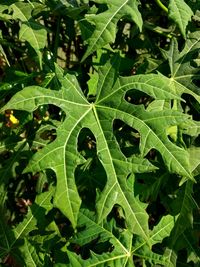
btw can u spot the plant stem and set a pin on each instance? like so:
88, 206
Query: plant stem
163, 7
159, 30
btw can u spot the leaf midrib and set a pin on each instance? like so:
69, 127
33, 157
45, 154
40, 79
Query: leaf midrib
48, 97
121, 88
109, 233
28, 25
64, 158
18, 234
115, 176
106, 25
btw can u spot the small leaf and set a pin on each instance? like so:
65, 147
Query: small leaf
29, 255
37, 210
185, 203
11, 239
181, 13
162, 229
194, 155
105, 23
30, 31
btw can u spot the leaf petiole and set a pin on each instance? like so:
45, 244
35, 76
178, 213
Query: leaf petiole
163, 7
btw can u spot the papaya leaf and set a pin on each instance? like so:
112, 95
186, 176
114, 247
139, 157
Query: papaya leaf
99, 139
31, 31
171, 256
186, 204
162, 229
6, 236
188, 242
101, 28
28, 256
184, 71
157, 234
119, 242
117, 251
13, 239
180, 13
8, 170
62, 155
194, 154
35, 214
192, 247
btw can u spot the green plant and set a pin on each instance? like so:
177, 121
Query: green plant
100, 149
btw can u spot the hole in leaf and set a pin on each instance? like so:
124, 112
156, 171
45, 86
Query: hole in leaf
138, 262
155, 157
101, 8
155, 210
196, 82
191, 106
21, 194
91, 175
95, 245
49, 135
149, 185
137, 97
127, 137
64, 225
5, 155
86, 143
118, 214
48, 112
158, 248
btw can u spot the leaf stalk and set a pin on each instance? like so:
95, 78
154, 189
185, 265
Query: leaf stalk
163, 7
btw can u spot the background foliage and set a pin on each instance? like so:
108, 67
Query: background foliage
99, 140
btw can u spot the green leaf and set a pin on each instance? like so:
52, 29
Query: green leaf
29, 255
92, 84
181, 13
101, 28
194, 154
4, 7
119, 242
19, 148
159, 232
183, 69
31, 31
171, 256
12, 239
99, 168
6, 236
120, 248
185, 203
62, 156
162, 229
192, 247
143, 252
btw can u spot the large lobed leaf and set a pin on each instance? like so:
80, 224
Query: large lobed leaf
62, 156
